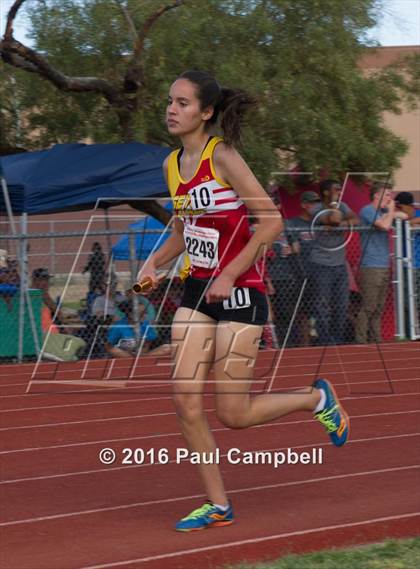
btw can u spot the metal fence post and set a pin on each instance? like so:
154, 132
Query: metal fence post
132, 249
52, 248
24, 292
23, 285
412, 308
399, 280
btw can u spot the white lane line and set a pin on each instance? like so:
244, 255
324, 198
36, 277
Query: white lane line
285, 391
194, 496
178, 433
112, 402
389, 348
259, 366
363, 396
146, 399
75, 393
146, 465
117, 383
98, 420
160, 384
249, 541
266, 354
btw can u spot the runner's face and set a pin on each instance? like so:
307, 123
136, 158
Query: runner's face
183, 113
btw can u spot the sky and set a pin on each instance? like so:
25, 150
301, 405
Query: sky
399, 25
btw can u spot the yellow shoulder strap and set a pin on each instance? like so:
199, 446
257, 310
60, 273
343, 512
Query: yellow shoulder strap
173, 183
208, 151
173, 178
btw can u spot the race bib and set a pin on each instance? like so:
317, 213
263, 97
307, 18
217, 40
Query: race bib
201, 197
202, 246
239, 298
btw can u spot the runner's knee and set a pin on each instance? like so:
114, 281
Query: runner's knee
188, 409
232, 418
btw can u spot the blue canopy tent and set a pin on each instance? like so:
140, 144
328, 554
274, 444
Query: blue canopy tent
71, 177
78, 176
144, 242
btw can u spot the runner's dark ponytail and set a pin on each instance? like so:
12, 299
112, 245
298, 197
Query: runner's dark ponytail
231, 104
234, 104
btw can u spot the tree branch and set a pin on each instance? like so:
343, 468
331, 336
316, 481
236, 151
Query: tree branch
134, 75
8, 34
17, 54
17, 61
128, 18
149, 23
34, 60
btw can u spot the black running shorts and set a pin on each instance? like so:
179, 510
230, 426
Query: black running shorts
247, 305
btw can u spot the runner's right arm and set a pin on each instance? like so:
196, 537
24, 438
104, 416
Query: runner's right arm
171, 249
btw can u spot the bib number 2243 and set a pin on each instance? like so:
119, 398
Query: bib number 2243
202, 246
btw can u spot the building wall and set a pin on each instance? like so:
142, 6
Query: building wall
406, 125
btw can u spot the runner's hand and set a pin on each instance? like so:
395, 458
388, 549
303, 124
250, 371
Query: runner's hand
148, 273
220, 289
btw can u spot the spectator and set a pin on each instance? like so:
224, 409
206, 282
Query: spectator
374, 262
302, 243
41, 280
14, 277
286, 292
290, 194
105, 304
405, 205
9, 278
96, 268
328, 255
121, 338
61, 344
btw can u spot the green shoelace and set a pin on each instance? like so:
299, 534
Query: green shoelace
325, 418
199, 512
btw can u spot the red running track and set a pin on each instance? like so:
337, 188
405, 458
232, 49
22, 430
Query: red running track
63, 509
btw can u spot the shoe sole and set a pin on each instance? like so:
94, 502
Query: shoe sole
342, 410
209, 526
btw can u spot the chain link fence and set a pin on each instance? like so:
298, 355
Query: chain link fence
83, 308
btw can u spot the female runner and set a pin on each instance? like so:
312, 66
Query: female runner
224, 308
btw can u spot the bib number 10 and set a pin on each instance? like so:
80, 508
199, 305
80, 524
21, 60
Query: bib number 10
200, 198
239, 298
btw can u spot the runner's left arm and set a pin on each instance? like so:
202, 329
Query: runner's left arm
231, 167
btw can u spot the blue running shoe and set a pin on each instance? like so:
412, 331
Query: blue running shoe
205, 517
333, 417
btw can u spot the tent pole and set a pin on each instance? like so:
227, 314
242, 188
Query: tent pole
29, 303
109, 246
132, 249
24, 293
9, 210
22, 272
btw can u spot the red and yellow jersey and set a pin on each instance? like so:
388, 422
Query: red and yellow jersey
216, 225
